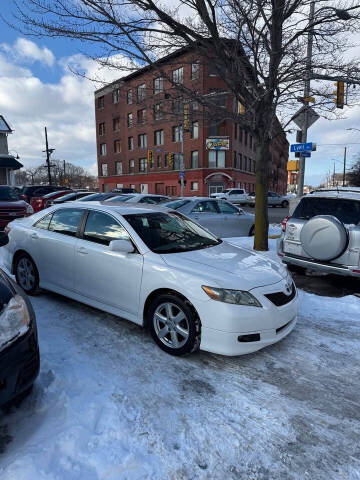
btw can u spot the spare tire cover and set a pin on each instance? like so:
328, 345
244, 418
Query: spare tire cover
323, 237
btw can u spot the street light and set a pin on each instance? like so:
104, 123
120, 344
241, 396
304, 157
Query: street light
342, 15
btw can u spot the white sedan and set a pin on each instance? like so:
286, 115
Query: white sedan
159, 269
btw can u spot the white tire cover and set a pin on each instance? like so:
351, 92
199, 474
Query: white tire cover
323, 237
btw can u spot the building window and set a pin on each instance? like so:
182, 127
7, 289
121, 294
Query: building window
158, 111
195, 71
254, 166
141, 116
245, 163
158, 162
104, 169
117, 146
195, 159
141, 92
131, 166
151, 161
116, 95
118, 166
102, 149
178, 75
194, 186
100, 102
239, 161
129, 120
195, 130
159, 137
142, 140
213, 70
166, 161
158, 85
130, 143
194, 106
216, 159
119, 185
101, 129
116, 123
132, 185
142, 165
129, 97
178, 106
177, 133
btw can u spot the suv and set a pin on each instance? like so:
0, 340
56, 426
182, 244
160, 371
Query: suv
233, 195
274, 200
323, 233
29, 191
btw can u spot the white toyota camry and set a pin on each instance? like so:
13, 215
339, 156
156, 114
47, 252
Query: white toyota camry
159, 269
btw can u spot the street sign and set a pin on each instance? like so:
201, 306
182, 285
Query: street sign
306, 154
299, 117
292, 166
182, 174
301, 147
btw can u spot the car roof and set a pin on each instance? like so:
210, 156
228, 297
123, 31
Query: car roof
121, 208
350, 193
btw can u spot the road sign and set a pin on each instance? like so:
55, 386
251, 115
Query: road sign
306, 154
292, 166
182, 174
301, 147
299, 117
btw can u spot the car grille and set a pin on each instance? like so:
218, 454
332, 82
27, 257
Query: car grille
280, 298
10, 213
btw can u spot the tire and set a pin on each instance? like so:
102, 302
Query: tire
252, 231
176, 337
26, 274
285, 204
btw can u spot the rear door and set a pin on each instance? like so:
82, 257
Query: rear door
108, 277
233, 222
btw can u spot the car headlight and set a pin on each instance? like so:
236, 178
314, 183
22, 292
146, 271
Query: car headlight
29, 210
237, 297
14, 320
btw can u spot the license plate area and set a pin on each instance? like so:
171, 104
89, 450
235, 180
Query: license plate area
293, 248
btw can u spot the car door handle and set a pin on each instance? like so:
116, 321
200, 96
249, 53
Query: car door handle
82, 250
34, 235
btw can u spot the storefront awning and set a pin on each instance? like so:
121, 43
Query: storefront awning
217, 175
8, 161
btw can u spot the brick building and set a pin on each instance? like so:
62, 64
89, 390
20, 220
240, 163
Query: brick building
139, 122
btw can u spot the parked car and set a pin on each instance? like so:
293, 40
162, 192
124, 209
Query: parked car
323, 233
218, 216
124, 190
139, 198
157, 268
233, 195
97, 197
12, 206
70, 197
274, 200
19, 350
40, 202
29, 191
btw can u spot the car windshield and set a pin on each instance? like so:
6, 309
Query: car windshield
9, 194
347, 211
120, 198
96, 197
175, 204
170, 232
69, 196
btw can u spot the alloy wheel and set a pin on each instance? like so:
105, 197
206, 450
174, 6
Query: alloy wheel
171, 325
26, 274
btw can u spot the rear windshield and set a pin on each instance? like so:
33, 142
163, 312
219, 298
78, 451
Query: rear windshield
9, 194
175, 204
347, 211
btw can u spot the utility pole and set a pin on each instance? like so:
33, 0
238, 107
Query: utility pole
334, 176
300, 189
344, 173
48, 152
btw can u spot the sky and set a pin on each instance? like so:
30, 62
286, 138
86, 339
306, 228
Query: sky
38, 89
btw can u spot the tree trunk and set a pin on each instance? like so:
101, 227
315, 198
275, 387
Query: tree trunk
263, 158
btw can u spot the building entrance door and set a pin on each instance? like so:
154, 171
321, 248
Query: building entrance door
216, 187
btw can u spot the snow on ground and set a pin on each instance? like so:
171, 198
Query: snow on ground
110, 405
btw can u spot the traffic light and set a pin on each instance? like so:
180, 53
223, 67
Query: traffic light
150, 157
170, 159
339, 92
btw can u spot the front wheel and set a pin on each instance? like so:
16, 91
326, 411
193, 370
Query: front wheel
26, 274
285, 204
174, 325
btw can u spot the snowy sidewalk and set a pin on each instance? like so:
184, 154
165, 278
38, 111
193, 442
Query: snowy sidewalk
110, 405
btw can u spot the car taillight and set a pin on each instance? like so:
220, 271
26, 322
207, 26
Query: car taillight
284, 222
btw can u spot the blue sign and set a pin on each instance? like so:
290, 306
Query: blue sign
182, 174
306, 154
301, 147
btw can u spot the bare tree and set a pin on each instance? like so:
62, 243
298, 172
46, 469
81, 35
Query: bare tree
258, 47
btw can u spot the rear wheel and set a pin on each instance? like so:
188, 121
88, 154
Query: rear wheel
174, 325
285, 204
252, 231
26, 274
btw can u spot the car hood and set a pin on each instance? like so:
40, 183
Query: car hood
229, 265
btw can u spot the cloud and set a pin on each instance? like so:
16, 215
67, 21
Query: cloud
24, 50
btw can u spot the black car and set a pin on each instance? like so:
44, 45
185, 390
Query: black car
98, 197
70, 197
29, 191
19, 350
124, 190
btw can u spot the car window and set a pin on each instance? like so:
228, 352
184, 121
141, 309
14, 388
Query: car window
151, 200
66, 221
9, 194
102, 228
205, 207
347, 211
175, 204
236, 192
227, 208
44, 222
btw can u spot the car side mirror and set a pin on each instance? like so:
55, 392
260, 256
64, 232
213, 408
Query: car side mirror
122, 246
4, 239
241, 211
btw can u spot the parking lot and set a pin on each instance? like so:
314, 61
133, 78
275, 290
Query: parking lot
109, 404
276, 214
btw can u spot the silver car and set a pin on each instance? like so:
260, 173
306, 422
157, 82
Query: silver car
274, 200
218, 216
152, 199
323, 233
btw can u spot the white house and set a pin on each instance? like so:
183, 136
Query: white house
8, 163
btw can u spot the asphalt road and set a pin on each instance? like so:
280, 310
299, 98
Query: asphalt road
276, 214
